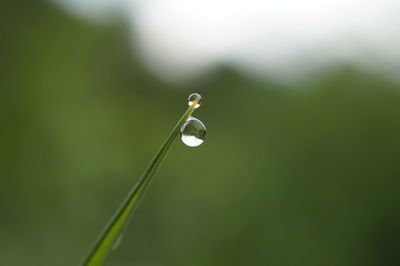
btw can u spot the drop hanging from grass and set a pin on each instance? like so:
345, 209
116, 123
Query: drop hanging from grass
193, 131
193, 97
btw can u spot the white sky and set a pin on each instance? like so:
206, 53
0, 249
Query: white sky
279, 39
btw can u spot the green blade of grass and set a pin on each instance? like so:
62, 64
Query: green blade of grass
113, 229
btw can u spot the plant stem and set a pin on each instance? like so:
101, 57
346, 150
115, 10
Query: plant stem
118, 221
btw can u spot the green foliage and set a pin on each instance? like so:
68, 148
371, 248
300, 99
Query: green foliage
118, 222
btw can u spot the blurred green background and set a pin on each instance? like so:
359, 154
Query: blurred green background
300, 174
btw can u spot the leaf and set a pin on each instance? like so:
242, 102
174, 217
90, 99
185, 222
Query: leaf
119, 220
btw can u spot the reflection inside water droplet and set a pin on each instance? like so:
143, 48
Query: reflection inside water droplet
193, 97
193, 132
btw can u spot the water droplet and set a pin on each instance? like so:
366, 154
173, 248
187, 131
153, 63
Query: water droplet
193, 132
193, 97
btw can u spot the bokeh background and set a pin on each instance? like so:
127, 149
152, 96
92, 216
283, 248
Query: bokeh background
296, 169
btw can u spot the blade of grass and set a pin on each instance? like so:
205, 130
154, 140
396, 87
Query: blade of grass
113, 229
